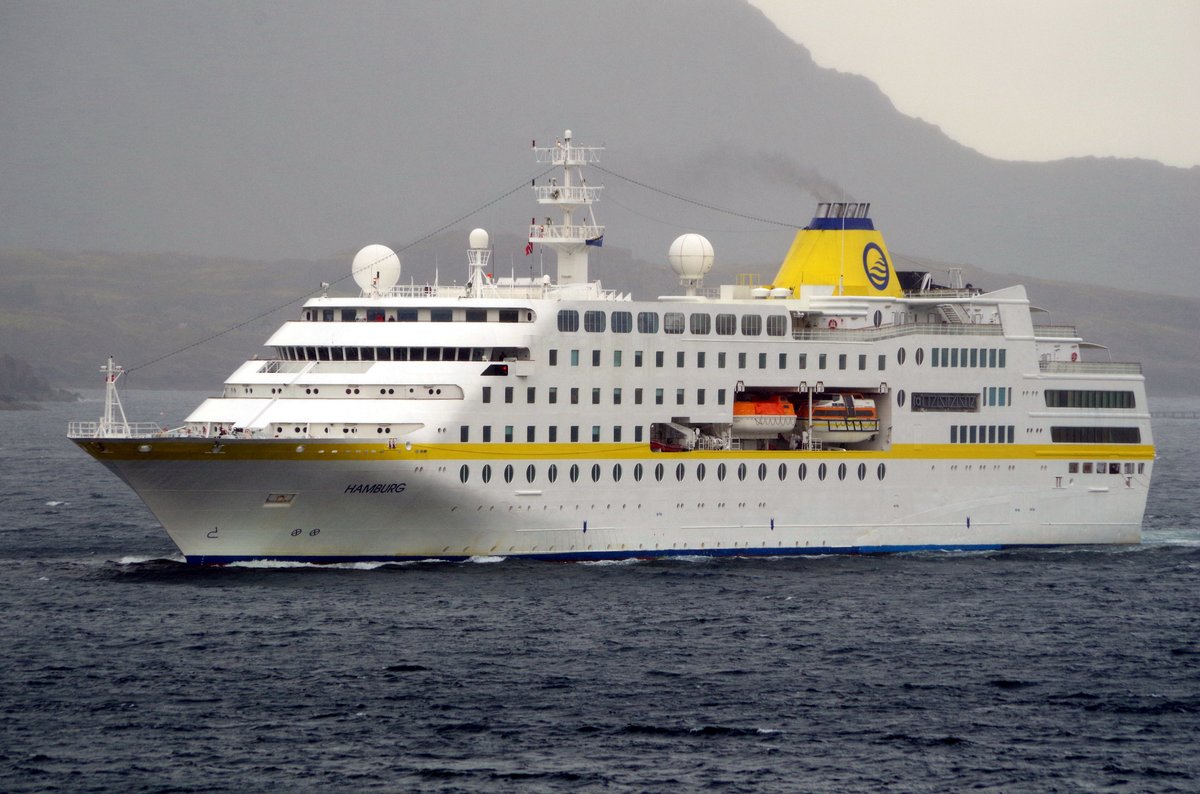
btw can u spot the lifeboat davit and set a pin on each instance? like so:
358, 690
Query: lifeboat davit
842, 418
764, 417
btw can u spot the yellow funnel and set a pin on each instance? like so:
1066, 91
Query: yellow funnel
840, 249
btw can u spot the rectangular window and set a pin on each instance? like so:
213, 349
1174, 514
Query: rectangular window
991, 434
974, 360
647, 323
568, 320
531, 395
658, 396
477, 315
574, 395
821, 358
933, 356
637, 396
700, 359
721, 360
777, 325
882, 362
973, 434
574, 358
574, 434
464, 433
672, 323
530, 433
553, 431
783, 360
992, 357
720, 396
508, 394
552, 395
841, 360
741, 360
862, 360
596, 395
637, 358
487, 434
679, 396
616, 358
596, 357
637, 433
658, 358
1012, 431
508, 434
726, 324
699, 323
622, 322
487, 394
1002, 356
679, 359
617, 396
594, 321
751, 325
762, 360
954, 356
699, 396
595, 434
802, 361
953, 434
616, 434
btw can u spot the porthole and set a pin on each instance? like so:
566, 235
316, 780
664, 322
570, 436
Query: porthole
464, 473
383, 391
841, 471
595, 472
658, 472
679, 472
279, 430
782, 472
881, 471
900, 398
741, 471
637, 473
920, 356
862, 471
552, 473
878, 318
486, 474
574, 473
762, 472
616, 472
821, 472
802, 471
530, 473
900, 354
699, 472
508, 473
721, 472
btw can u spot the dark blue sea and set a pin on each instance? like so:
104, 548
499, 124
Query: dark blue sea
121, 669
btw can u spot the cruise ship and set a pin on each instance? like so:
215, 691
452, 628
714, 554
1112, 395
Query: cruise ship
842, 407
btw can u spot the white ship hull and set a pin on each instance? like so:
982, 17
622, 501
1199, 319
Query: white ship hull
393, 505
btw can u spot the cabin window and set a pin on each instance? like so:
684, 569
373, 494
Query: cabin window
658, 396
349, 315
574, 358
596, 436
658, 358
679, 359
616, 358
327, 315
487, 435
593, 321
595, 358
508, 394
700, 359
637, 396
487, 394
574, 472
802, 360
531, 394
679, 399
596, 396
762, 360
673, 323
751, 325
741, 360
406, 315
508, 437
464, 435
647, 323
862, 361
530, 433
617, 395
821, 359
574, 395
777, 325
510, 316
574, 439
721, 360
720, 396
699, 396
637, 434
637, 358
568, 320
553, 358
726, 324
617, 440
477, 315
882, 362
783, 360
439, 315
486, 473
552, 438
700, 323
622, 322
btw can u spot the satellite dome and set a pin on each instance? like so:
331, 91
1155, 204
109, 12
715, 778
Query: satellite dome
376, 268
691, 256
478, 239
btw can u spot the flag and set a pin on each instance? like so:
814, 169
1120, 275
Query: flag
528, 249
596, 241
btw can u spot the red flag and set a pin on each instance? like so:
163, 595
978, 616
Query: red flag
528, 249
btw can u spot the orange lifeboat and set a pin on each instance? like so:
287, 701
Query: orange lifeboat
765, 417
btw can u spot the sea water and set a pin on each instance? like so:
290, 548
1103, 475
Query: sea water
121, 669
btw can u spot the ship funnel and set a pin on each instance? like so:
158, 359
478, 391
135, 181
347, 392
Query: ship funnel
840, 248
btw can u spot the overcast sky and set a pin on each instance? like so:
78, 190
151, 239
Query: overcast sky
1023, 79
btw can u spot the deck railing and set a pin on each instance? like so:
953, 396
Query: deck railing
1091, 367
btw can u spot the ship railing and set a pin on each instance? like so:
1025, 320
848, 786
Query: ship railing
117, 430
1091, 367
529, 289
943, 293
557, 231
1055, 332
572, 194
907, 329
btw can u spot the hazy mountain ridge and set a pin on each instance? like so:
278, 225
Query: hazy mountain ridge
66, 313
271, 132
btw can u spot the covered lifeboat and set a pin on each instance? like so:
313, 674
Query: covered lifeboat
762, 416
843, 418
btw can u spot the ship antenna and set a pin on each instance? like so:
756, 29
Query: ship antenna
110, 427
568, 192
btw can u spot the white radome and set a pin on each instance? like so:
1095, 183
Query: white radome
376, 268
691, 256
478, 239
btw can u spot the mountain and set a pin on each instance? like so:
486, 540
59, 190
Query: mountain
269, 132
21, 385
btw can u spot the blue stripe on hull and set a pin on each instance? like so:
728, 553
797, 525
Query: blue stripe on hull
596, 556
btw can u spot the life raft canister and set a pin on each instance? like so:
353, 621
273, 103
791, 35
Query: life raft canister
1074, 356
832, 324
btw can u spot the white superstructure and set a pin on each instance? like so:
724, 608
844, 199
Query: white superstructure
832, 410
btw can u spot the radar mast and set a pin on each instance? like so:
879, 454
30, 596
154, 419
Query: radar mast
570, 193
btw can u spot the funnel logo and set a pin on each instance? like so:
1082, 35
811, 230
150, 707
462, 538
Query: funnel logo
875, 265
